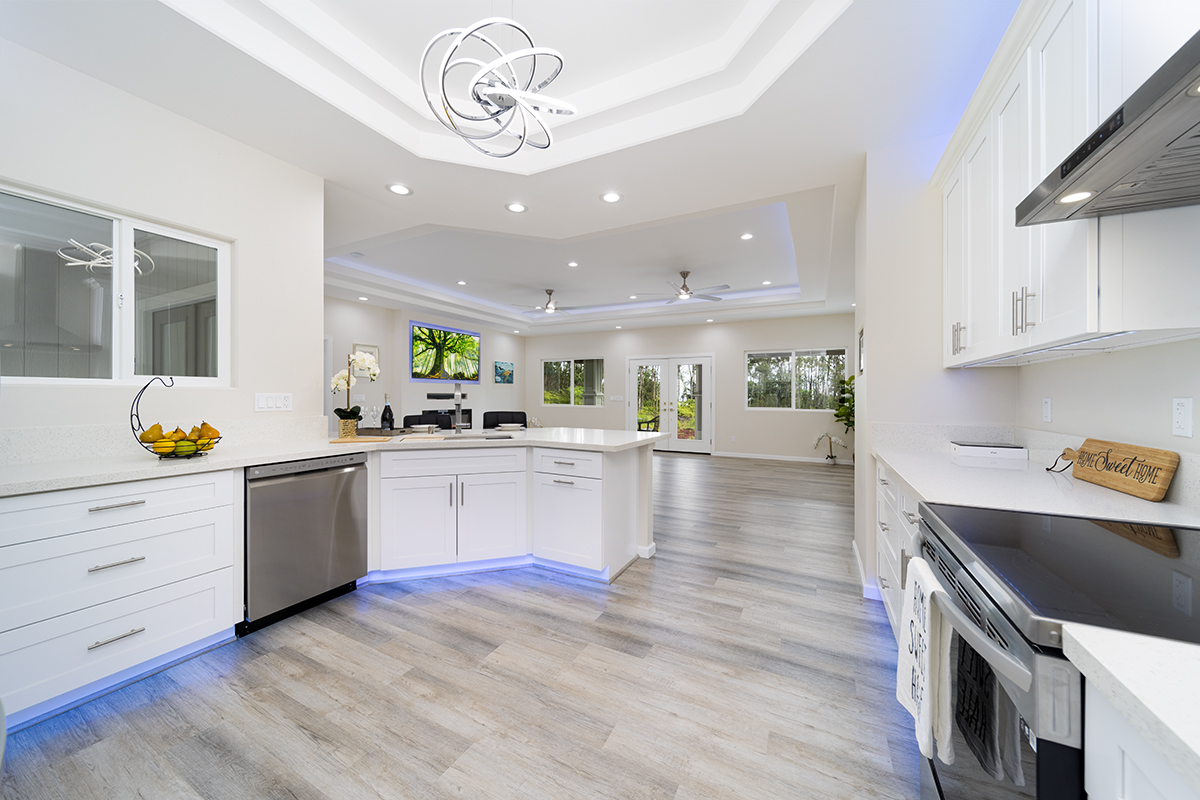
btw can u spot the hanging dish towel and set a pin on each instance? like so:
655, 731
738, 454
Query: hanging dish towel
987, 717
923, 665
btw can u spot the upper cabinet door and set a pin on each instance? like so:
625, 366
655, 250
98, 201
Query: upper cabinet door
1064, 279
954, 267
1018, 248
983, 285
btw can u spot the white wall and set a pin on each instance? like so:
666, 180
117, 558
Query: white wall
351, 323
769, 432
1123, 396
74, 137
899, 295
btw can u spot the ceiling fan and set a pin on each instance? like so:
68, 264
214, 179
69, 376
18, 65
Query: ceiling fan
549, 307
682, 292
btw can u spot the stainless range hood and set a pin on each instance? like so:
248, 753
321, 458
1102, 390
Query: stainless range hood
1145, 156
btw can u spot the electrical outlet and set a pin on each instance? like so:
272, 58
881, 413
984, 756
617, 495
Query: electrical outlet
616, 398
1047, 410
1181, 592
359, 397
272, 402
733, 438
1181, 416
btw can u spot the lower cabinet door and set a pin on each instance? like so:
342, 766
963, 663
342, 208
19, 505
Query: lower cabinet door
566, 520
41, 661
491, 516
417, 520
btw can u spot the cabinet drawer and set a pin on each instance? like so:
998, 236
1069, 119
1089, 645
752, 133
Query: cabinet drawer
890, 592
417, 463
568, 462
886, 483
50, 577
566, 520
889, 534
41, 516
45, 660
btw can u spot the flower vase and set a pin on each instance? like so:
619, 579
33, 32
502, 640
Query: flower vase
347, 428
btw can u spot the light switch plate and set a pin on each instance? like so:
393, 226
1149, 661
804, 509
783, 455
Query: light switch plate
1047, 410
1181, 592
1181, 416
272, 401
616, 398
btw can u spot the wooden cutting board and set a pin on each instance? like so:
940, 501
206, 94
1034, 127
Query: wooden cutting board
354, 439
1140, 471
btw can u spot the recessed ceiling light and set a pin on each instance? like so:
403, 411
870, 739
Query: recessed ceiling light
708, 320
516, 208
516, 331
766, 283
610, 197
539, 308
852, 305
1074, 197
364, 299
633, 297
399, 188
618, 327
746, 236
572, 263
462, 283
1194, 91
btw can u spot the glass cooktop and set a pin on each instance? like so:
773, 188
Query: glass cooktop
1126, 575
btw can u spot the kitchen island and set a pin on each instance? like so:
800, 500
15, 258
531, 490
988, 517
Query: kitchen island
118, 565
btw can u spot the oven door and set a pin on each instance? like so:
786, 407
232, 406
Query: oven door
1045, 688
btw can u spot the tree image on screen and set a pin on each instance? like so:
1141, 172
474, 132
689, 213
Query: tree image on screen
442, 355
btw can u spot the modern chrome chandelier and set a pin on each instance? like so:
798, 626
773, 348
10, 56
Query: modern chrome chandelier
99, 256
499, 99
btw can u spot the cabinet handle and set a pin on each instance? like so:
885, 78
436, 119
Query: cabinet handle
912, 518
883, 482
904, 559
1015, 328
883, 526
1025, 295
462, 494
117, 505
883, 584
567, 463
116, 638
569, 483
452, 494
133, 560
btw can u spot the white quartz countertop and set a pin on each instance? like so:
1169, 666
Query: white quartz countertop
1151, 682
1019, 485
136, 464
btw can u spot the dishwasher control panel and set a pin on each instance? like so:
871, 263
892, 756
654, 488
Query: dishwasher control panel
307, 465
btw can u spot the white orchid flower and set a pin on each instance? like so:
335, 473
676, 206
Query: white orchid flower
366, 362
339, 381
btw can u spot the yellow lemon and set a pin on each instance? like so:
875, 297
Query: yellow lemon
185, 447
163, 446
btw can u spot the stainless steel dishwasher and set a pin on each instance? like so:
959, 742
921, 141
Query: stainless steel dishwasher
306, 535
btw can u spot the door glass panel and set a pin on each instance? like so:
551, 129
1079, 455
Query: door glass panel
688, 402
649, 390
56, 269
176, 289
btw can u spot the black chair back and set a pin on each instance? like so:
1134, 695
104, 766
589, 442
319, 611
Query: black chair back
492, 419
443, 421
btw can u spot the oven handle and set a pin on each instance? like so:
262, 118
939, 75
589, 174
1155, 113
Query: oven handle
1000, 660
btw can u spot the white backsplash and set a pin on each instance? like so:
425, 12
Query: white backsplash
60, 443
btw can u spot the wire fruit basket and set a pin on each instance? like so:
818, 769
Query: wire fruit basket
167, 446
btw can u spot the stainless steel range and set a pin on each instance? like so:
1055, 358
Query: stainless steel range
1016, 577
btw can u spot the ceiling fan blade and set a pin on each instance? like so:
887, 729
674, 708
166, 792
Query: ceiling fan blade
708, 289
706, 297
672, 300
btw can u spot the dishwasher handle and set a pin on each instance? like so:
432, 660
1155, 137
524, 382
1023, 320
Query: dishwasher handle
999, 659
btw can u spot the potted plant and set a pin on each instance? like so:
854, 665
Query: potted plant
349, 416
844, 413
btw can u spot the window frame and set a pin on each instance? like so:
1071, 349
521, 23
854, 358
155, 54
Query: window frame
542, 369
792, 353
124, 314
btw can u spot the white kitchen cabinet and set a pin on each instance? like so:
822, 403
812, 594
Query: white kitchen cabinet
1073, 287
566, 519
474, 510
97, 581
896, 536
1119, 763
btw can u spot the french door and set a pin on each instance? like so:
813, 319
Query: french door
672, 395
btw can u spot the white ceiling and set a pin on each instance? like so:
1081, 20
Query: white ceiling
712, 118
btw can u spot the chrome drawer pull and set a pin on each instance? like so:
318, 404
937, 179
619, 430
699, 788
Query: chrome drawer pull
116, 638
883, 482
133, 560
568, 463
117, 505
883, 584
912, 518
883, 526
569, 483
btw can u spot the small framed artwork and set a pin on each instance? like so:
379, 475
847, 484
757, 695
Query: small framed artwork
860, 351
504, 372
373, 349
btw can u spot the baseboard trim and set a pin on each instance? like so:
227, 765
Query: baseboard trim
869, 590
804, 459
647, 552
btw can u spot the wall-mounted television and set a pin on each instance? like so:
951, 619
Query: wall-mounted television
443, 355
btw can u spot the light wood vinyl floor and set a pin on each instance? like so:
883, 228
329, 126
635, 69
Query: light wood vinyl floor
740, 662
